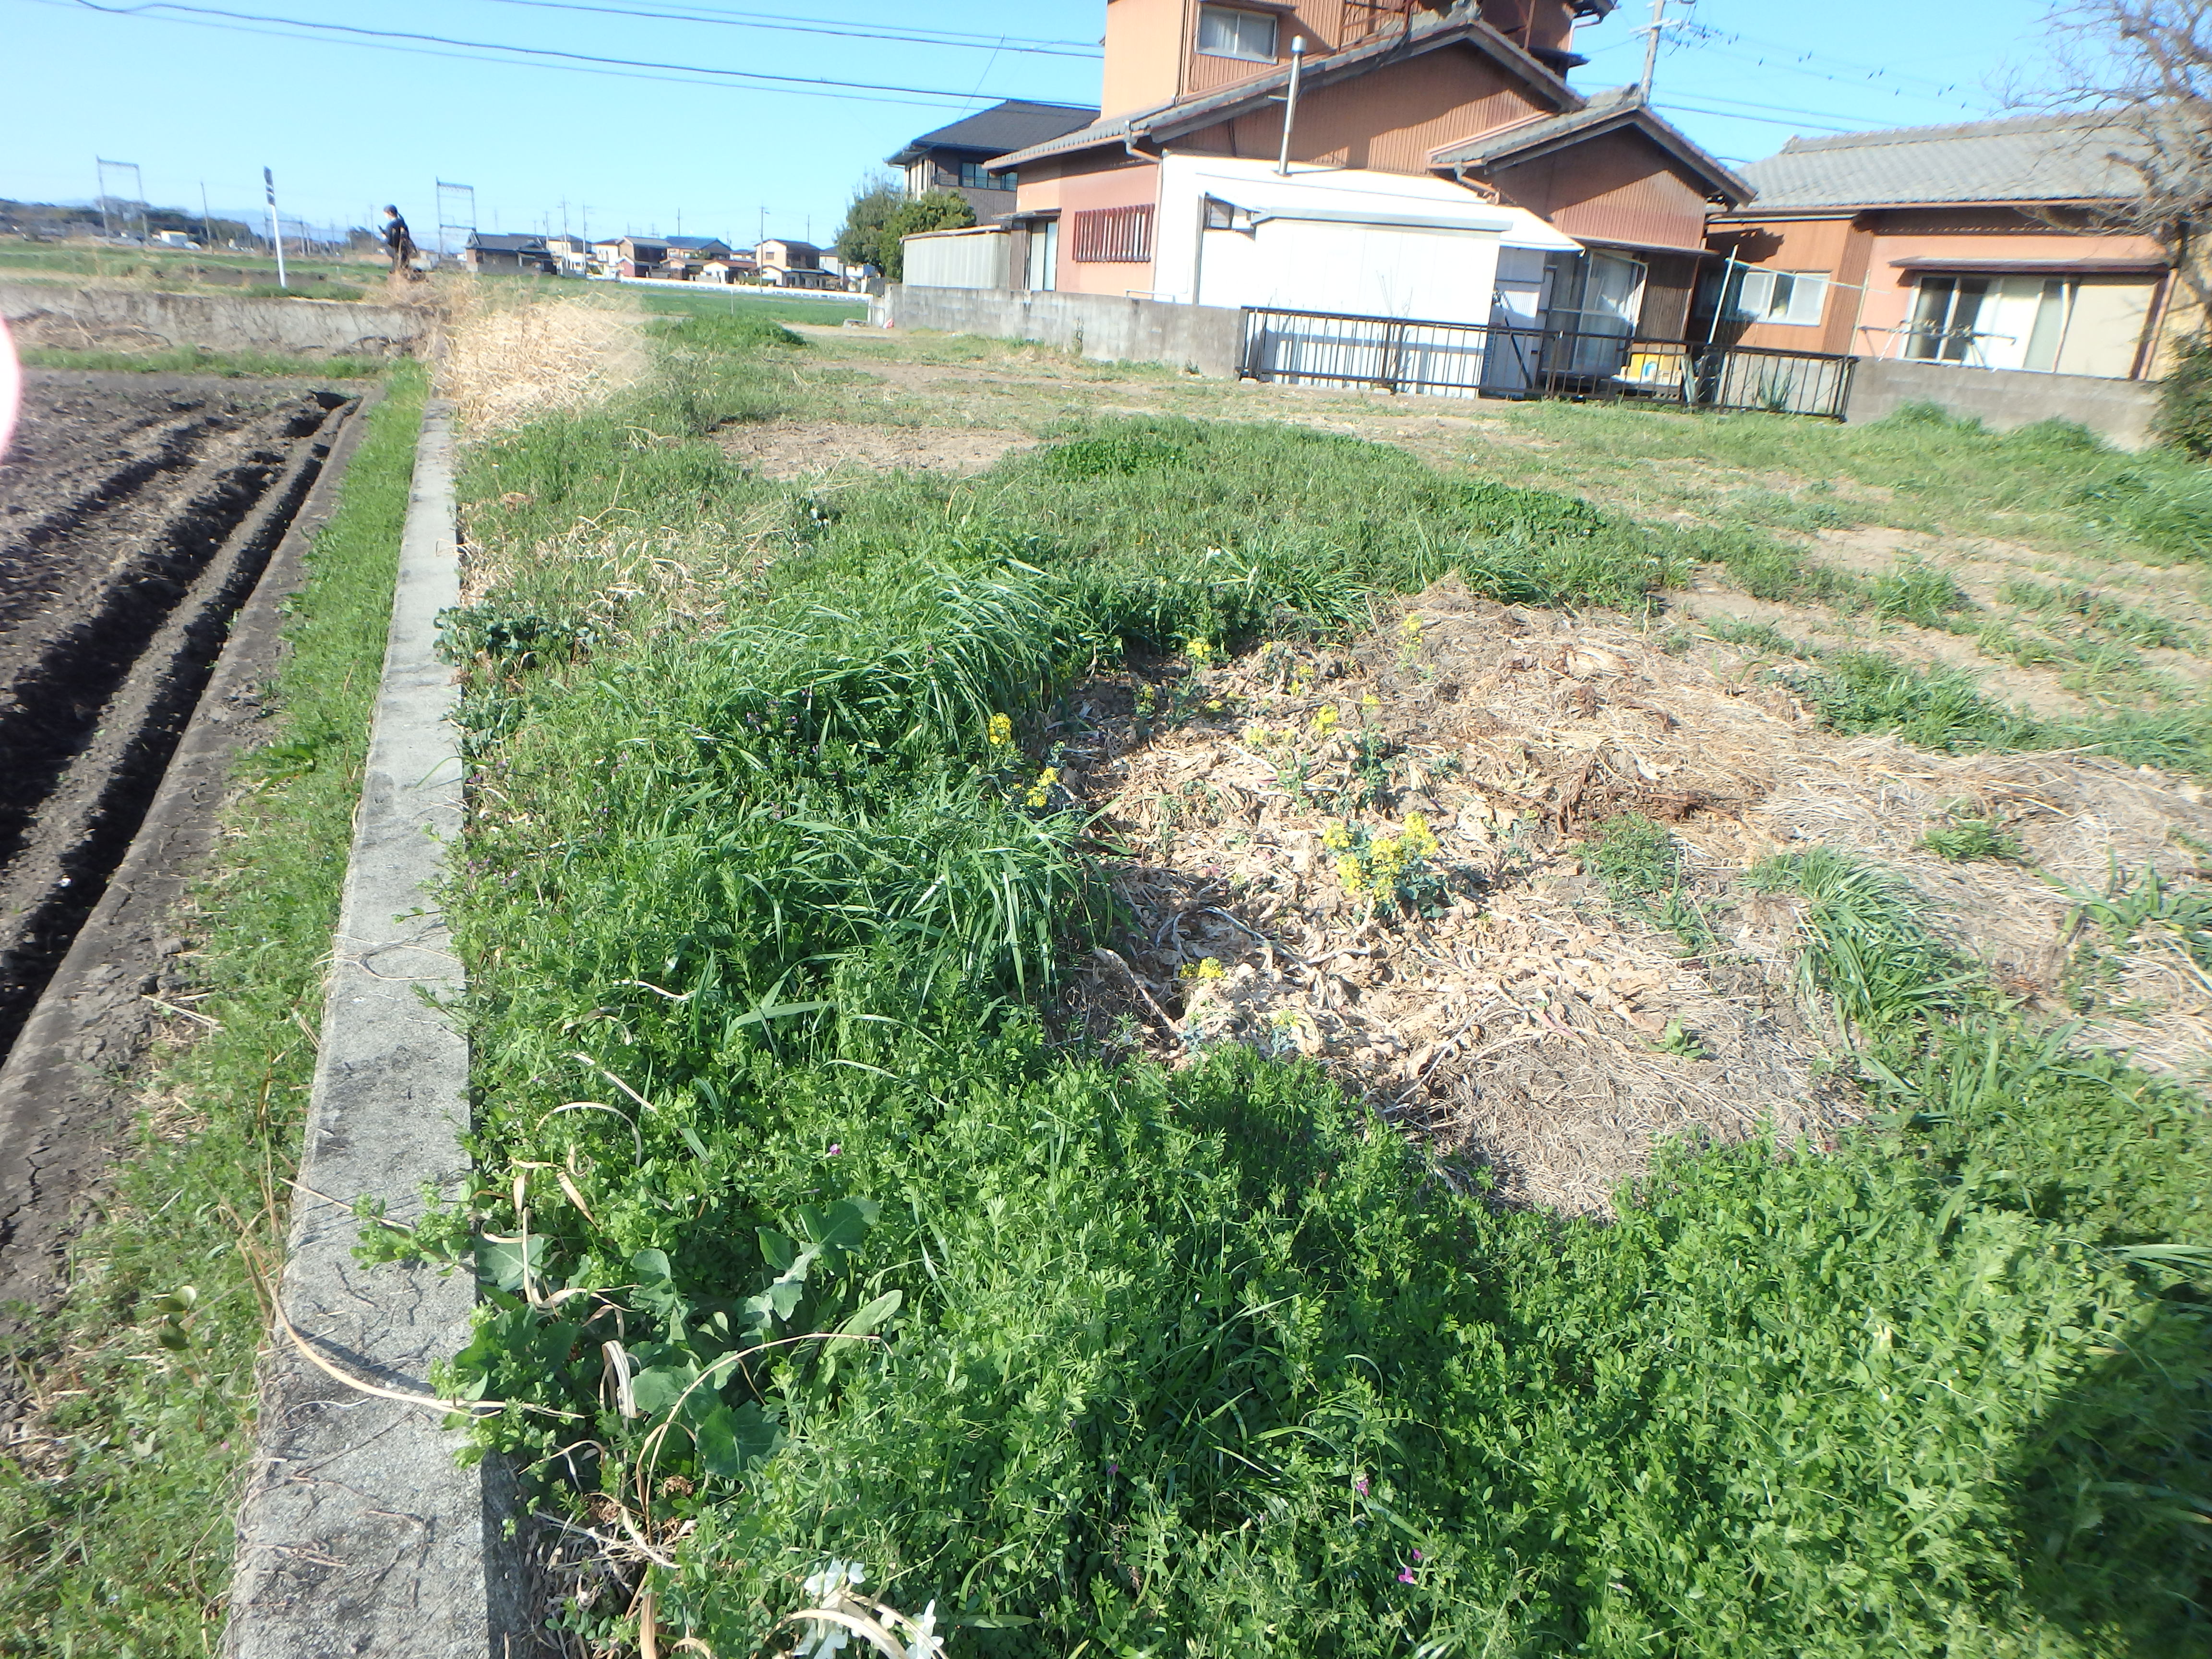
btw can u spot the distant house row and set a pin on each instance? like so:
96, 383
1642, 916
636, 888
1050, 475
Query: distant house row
778, 262
1373, 158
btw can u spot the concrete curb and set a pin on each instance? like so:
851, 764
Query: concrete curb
361, 1533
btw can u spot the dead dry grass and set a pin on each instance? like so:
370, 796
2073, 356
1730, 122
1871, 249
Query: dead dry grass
507, 364
787, 449
1517, 1019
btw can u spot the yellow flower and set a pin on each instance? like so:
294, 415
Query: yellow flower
1041, 790
1204, 968
1412, 625
1420, 839
1370, 700
1325, 718
1349, 872
1257, 734
1199, 651
1002, 732
1336, 838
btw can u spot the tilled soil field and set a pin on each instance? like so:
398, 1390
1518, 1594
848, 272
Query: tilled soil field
137, 517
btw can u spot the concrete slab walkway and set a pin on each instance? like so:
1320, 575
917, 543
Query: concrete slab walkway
360, 1533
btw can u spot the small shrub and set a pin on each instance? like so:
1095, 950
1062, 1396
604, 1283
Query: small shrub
2184, 402
1120, 455
2168, 510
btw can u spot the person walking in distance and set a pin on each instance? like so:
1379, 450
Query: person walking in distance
401, 245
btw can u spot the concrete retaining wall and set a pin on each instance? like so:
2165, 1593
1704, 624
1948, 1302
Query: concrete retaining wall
128, 318
1205, 339
2119, 410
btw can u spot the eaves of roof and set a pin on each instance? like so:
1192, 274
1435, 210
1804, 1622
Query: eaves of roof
1186, 115
1004, 126
1610, 111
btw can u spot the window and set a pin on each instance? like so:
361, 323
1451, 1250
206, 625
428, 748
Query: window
1794, 297
1944, 313
1224, 32
973, 177
1121, 235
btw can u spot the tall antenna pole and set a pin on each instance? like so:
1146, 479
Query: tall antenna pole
276, 229
207, 219
1290, 97
1651, 45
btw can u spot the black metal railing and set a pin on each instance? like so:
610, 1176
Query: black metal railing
1468, 360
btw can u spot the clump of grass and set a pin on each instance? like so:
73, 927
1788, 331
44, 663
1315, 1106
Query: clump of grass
116, 1516
2100, 612
1757, 635
1967, 836
1640, 864
2167, 508
1916, 592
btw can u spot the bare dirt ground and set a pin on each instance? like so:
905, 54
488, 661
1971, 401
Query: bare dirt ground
803, 449
136, 516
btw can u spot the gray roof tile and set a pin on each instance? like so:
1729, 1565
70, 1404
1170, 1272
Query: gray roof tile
2061, 158
1014, 124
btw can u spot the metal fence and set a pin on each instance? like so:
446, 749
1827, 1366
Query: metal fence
1466, 360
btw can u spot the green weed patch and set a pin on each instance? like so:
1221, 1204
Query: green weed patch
788, 1194
115, 1520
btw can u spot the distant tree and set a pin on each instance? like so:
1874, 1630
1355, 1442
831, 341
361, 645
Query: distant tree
875, 199
940, 209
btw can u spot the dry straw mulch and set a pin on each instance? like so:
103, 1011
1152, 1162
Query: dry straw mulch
1522, 1023
504, 365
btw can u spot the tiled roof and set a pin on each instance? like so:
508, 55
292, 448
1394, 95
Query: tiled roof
486, 242
1623, 106
994, 131
1186, 115
693, 244
2054, 158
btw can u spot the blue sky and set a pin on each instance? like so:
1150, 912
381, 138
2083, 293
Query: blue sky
349, 124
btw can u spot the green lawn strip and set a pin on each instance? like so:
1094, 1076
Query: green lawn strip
1203, 1361
115, 1526
745, 302
193, 360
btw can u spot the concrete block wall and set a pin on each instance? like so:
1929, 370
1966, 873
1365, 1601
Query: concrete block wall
2120, 411
128, 318
1105, 328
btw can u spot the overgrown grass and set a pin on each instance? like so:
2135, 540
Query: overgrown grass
747, 302
115, 1523
193, 360
1122, 1360
1944, 708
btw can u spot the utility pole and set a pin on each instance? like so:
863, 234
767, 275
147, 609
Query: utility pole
276, 227
1651, 45
207, 219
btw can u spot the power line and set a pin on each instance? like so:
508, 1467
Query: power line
826, 27
776, 82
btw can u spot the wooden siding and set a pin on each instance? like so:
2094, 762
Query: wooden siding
1617, 187
1390, 120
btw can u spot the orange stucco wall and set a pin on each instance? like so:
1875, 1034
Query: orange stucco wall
1129, 184
1152, 56
1390, 120
1620, 187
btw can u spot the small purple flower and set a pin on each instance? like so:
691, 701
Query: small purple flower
834, 1149
1360, 1485
1417, 1555
1113, 1469
1405, 1577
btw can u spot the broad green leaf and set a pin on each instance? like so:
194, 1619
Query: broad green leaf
866, 1320
732, 1440
777, 1250
652, 1265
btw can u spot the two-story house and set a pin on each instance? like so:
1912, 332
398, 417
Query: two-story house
1373, 157
786, 261
953, 157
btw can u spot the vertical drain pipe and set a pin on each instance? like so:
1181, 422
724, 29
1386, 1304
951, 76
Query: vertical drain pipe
1290, 102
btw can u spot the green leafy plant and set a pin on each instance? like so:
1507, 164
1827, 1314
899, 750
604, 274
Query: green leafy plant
1967, 836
